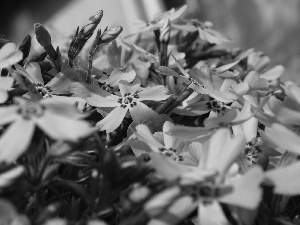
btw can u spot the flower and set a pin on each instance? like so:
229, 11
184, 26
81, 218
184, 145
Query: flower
159, 20
54, 88
59, 121
161, 143
131, 100
213, 181
9, 55
205, 30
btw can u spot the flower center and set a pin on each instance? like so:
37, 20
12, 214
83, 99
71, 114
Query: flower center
252, 152
128, 100
45, 91
216, 105
30, 110
171, 153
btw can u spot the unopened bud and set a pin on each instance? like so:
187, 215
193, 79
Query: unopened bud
42, 35
164, 36
88, 29
110, 35
25, 47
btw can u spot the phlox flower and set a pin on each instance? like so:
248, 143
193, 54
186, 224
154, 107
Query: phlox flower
161, 143
130, 100
9, 55
252, 82
206, 33
56, 87
215, 179
159, 20
59, 121
201, 82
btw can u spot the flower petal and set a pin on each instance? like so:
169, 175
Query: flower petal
34, 70
63, 128
8, 114
15, 140
126, 87
6, 82
246, 191
156, 93
9, 55
117, 75
285, 179
141, 112
223, 150
283, 137
113, 120
144, 134
98, 101
274, 73
211, 214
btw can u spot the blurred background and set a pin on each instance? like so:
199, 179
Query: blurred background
271, 26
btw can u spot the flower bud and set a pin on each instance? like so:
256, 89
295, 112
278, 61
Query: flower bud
25, 47
83, 35
42, 35
88, 29
110, 35
164, 36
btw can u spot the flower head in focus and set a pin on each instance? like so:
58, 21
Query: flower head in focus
130, 100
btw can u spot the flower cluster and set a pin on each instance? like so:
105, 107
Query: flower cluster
172, 131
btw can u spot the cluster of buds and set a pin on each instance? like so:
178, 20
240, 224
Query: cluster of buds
101, 39
83, 35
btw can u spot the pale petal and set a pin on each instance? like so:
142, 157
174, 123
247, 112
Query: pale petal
187, 132
141, 112
98, 101
9, 55
83, 90
211, 214
283, 137
248, 128
8, 114
15, 140
225, 97
117, 75
260, 84
156, 93
34, 70
285, 179
203, 76
176, 212
166, 167
195, 149
8, 176
168, 139
274, 73
3, 95
223, 150
6, 82
247, 191
144, 134
288, 116
241, 88
113, 120
63, 128
126, 87
226, 67
69, 100
251, 78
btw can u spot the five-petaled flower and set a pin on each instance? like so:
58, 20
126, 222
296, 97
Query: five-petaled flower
130, 99
58, 121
